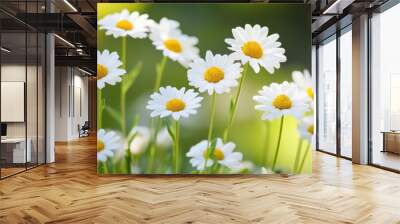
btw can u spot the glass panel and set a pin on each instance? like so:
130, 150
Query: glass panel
22, 88
31, 98
346, 94
385, 86
13, 86
32, 87
41, 99
327, 97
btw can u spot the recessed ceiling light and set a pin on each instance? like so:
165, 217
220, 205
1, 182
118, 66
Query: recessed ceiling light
64, 40
5, 50
70, 5
84, 71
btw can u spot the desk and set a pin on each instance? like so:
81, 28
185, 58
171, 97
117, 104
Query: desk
391, 141
15, 148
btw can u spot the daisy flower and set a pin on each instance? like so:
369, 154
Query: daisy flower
163, 139
173, 102
141, 140
244, 166
107, 143
126, 24
253, 45
304, 82
217, 73
223, 154
306, 127
279, 100
167, 38
266, 171
198, 155
108, 70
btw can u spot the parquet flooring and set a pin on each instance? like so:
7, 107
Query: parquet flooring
70, 191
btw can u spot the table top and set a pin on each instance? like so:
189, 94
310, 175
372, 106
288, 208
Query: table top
13, 140
391, 132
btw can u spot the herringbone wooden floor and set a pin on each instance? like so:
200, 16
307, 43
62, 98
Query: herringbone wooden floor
69, 191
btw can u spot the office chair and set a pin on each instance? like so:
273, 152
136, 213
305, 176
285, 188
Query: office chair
84, 130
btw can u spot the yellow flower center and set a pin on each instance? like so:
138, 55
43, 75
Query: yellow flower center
175, 105
214, 74
282, 102
100, 145
218, 154
125, 25
310, 129
252, 49
102, 71
173, 45
310, 93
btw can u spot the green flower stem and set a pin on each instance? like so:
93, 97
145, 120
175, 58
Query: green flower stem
128, 160
304, 158
296, 162
123, 119
100, 108
153, 145
160, 70
177, 152
235, 103
278, 144
264, 152
218, 168
104, 167
123, 100
210, 126
156, 125
128, 154
109, 165
99, 168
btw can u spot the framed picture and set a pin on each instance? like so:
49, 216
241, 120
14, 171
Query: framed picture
204, 88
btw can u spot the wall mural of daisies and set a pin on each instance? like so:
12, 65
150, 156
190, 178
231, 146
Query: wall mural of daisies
204, 89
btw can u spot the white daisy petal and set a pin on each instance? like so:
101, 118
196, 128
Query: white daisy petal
168, 38
107, 143
141, 140
216, 73
108, 71
306, 127
304, 81
252, 44
125, 24
286, 100
223, 154
173, 102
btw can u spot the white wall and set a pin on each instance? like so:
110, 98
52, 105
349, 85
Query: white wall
16, 73
61, 103
33, 126
71, 102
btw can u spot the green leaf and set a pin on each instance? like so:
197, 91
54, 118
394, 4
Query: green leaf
132, 133
135, 121
114, 113
130, 78
170, 130
212, 147
231, 106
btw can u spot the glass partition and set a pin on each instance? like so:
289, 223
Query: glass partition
346, 93
327, 97
22, 78
385, 89
14, 153
41, 97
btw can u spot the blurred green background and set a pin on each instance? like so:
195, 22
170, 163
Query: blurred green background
211, 24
